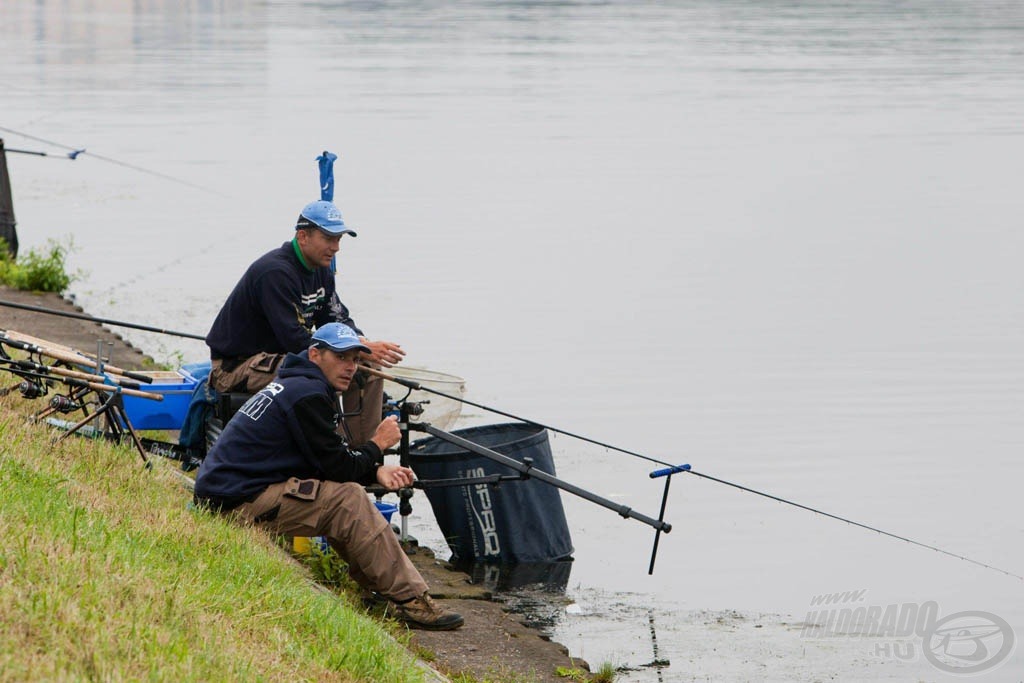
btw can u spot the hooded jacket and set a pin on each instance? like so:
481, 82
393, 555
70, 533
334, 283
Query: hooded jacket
288, 429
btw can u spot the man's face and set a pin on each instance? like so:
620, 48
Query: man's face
337, 367
317, 247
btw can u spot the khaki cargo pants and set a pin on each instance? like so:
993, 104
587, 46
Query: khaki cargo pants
255, 372
355, 529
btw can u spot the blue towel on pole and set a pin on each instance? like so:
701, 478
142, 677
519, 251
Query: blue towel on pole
326, 161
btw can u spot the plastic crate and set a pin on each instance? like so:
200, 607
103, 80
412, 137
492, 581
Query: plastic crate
175, 387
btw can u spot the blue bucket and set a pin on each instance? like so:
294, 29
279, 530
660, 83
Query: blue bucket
386, 509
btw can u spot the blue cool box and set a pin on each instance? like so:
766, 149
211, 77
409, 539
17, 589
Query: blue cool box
175, 387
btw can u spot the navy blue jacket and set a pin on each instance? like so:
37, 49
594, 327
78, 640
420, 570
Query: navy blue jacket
286, 430
275, 307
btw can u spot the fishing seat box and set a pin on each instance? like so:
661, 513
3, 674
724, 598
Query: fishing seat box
176, 387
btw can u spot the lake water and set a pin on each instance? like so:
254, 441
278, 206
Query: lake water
780, 241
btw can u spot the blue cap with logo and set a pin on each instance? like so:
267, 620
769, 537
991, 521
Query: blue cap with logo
324, 215
338, 337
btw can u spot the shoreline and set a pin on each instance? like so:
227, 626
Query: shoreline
492, 643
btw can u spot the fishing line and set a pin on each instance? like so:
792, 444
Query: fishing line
409, 384
111, 160
685, 469
74, 153
850, 521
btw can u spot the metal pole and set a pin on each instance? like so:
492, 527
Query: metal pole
622, 510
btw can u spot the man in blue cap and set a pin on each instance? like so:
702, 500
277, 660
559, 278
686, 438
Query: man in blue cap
274, 308
280, 464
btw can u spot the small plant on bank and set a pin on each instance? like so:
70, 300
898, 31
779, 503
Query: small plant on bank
604, 674
328, 569
38, 271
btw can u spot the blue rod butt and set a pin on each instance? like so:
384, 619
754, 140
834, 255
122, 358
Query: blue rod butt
669, 470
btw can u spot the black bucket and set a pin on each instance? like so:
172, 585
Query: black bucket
514, 522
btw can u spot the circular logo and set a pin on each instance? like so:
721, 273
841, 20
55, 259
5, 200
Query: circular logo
968, 642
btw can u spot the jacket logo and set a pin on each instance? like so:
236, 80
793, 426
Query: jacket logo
256, 406
308, 301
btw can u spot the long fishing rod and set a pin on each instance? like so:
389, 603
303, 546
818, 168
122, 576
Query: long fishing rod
672, 468
107, 321
110, 160
527, 469
682, 469
70, 155
414, 385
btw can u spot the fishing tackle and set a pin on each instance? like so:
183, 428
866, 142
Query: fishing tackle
108, 384
105, 321
671, 469
74, 153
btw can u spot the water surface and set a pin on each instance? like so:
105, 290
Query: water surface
777, 240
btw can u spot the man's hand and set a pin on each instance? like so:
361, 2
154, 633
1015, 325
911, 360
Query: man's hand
387, 434
383, 353
393, 477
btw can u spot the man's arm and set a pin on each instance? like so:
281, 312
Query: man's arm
314, 422
280, 300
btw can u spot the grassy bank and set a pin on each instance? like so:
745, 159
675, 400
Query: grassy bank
106, 574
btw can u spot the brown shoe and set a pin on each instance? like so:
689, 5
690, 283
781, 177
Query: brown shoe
424, 613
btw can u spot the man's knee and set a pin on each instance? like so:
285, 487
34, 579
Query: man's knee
349, 497
247, 376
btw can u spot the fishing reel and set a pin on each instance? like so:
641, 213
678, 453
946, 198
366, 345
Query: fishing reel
30, 389
65, 404
401, 408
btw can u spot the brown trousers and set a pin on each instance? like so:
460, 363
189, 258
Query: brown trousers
355, 529
254, 373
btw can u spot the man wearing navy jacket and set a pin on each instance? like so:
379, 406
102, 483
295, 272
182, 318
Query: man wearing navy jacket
281, 464
282, 297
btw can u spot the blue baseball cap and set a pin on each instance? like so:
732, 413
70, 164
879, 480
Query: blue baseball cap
338, 337
324, 215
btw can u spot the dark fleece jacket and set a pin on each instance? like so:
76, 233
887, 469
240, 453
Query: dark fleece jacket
288, 429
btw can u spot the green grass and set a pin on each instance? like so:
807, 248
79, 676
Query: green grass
106, 574
40, 271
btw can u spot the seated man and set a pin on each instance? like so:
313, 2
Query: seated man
281, 464
274, 308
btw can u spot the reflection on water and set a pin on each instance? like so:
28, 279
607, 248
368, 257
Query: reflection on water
535, 591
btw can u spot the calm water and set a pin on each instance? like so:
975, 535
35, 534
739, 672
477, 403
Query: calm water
777, 240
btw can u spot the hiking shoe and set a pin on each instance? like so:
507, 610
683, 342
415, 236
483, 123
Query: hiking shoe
422, 612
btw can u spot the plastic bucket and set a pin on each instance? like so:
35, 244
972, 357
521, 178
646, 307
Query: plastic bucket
514, 522
386, 509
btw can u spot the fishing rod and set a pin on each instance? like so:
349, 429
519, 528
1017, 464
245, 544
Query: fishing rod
30, 366
71, 156
107, 321
27, 344
671, 469
70, 378
528, 470
409, 384
140, 169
